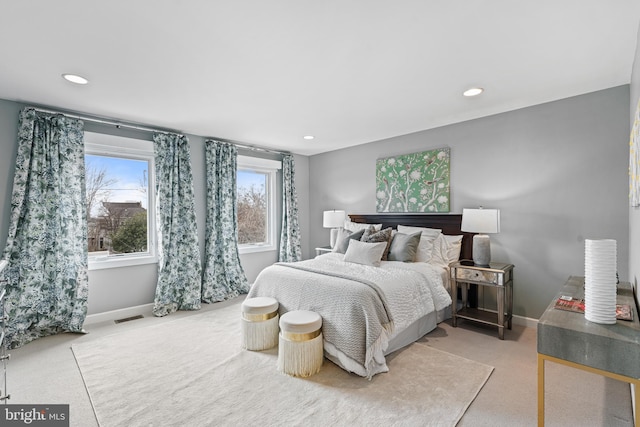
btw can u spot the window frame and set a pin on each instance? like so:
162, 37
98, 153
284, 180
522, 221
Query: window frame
135, 149
270, 168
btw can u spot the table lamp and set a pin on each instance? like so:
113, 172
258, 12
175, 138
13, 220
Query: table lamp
334, 220
481, 221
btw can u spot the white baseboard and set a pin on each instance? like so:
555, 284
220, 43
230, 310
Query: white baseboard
525, 321
118, 314
147, 308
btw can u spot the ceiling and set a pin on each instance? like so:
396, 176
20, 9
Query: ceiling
267, 73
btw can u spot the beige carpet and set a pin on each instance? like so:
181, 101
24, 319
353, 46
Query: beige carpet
191, 372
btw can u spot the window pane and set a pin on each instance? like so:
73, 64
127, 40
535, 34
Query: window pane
117, 204
252, 207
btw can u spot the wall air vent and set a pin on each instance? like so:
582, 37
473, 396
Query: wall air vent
126, 319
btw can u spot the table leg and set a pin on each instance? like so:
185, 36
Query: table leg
500, 298
540, 391
636, 406
454, 302
465, 292
509, 303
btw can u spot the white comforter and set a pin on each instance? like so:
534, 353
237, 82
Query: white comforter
357, 326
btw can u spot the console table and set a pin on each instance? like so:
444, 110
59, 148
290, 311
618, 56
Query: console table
570, 339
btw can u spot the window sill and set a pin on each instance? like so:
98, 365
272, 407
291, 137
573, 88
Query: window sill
117, 262
255, 249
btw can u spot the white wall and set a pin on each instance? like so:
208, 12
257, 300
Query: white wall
557, 171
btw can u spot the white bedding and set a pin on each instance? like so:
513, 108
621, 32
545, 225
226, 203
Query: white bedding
409, 292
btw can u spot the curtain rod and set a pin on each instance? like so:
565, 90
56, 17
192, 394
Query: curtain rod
250, 147
148, 129
117, 124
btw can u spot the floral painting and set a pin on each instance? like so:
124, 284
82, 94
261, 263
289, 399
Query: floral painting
417, 182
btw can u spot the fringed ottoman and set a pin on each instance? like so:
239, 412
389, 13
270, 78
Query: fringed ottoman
259, 323
300, 351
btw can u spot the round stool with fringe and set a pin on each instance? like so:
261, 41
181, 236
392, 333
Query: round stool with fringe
259, 323
300, 351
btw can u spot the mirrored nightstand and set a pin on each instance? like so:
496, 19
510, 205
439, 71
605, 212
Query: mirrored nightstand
496, 275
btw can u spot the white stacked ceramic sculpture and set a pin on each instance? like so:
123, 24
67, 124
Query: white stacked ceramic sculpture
600, 281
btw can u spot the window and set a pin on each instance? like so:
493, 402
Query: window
256, 182
120, 210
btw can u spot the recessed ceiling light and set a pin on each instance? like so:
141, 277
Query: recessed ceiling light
74, 78
308, 137
474, 91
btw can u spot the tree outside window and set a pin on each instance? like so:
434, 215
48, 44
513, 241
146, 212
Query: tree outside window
117, 200
252, 207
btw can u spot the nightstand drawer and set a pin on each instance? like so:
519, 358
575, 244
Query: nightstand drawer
477, 276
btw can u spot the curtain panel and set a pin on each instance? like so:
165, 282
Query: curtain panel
46, 277
290, 250
179, 268
224, 277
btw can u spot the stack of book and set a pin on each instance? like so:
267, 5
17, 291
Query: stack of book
623, 311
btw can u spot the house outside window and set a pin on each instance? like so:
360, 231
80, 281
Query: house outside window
120, 201
256, 204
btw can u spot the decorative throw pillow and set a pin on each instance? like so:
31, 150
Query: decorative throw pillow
372, 236
344, 237
357, 226
404, 247
425, 248
365, 253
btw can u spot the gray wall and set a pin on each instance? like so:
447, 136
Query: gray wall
117, 288
557, 171
634, 213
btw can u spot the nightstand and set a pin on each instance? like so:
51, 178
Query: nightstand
496, 275
323, 250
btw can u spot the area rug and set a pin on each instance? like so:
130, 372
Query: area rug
192, 372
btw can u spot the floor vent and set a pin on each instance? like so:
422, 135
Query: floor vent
126, 319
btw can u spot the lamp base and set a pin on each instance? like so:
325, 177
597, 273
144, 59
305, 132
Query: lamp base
481, 250
334, 237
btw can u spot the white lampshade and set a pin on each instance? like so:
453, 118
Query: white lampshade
333, 219
483, 221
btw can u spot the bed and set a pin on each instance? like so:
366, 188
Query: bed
371, 310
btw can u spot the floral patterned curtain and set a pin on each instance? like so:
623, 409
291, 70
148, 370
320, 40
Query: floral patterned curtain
224, 277
290, 235
179, 269
46, 276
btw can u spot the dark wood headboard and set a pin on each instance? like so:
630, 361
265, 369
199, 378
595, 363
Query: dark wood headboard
448, 223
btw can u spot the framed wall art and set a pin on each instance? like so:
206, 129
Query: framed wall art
417, 182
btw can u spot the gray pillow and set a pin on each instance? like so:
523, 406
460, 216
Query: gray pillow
404, 247
372, 236
342, 244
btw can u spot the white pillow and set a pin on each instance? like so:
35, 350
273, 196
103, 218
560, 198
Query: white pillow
365, 253
357, 226
455, 246
446, 249
440, 253
428, 236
